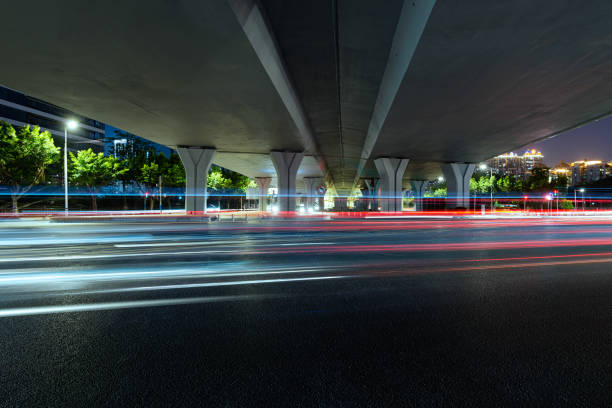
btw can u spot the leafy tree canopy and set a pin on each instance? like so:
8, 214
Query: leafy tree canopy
24, 156
94, 170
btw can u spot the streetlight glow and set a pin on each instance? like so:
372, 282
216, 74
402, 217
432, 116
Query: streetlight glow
440, 179
72, 125
483, 167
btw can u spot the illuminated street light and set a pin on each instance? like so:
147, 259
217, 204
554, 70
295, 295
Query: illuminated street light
72, 125
484, 167
440, 179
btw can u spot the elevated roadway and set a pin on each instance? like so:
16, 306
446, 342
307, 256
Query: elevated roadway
436, 84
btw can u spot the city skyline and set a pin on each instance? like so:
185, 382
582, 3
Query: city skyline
591, 142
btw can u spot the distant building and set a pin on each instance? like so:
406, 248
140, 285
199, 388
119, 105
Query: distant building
588, 171
562, 169
118, 140
533, 159
20, 110
511, 164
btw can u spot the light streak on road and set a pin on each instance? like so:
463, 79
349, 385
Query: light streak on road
322, 249
212, 284
38, 310
23, 278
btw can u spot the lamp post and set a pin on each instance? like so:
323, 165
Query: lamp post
582, 191
484, 167
70, 124
575, 205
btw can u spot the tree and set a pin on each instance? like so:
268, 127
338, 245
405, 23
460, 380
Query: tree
93, 170
503, 184
516, 184
437, 189
174, 175
215, 179
135, 153
473, 185
561, 182
149, 173
538, 180
484, 184
24, 157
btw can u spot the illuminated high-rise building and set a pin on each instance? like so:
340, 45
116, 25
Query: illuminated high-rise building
588, 171
511, 164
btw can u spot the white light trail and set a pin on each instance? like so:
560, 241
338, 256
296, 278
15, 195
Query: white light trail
211, 284
184, 243
187, 273
38, 310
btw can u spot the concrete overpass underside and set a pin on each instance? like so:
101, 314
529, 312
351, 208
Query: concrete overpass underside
345, 82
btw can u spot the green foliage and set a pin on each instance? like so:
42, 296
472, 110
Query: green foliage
566, 205
223, 179
149, 173
561, 182
93, 170
174, 175
436, 189
215, 179
24, 156
473, 185
484, 184
538, 180
438, 192
134, 154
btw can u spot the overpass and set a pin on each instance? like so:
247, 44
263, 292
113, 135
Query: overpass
344, 91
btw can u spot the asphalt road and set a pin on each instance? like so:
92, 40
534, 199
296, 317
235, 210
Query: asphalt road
322, 313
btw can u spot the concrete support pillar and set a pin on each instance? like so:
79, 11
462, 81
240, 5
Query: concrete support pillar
373, 185
196, 161
341, 203
458, 177
263, 184
391, 171
418, 191
286, 165
311, 184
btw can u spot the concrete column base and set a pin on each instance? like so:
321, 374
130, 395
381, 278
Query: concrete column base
196, 161
263, 184
391, 171
286, 165
418, 190
458, 177
311, 184
340, 204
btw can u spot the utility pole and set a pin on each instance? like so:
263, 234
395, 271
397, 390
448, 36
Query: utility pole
160, 193
491, 180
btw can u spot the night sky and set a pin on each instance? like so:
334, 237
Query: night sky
593, 141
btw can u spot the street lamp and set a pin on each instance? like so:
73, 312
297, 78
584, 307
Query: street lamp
582, 191
72, 125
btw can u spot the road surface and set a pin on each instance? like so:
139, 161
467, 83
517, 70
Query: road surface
306, 313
